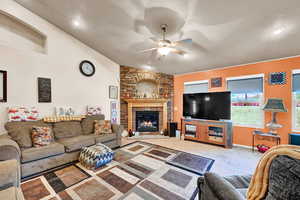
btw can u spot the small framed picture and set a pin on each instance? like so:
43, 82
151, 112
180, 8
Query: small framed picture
113, 92
44, 90
114, 112
216, 82
277, 78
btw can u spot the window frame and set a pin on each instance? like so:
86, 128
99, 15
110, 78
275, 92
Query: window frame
262, 99
195, 83
294, 128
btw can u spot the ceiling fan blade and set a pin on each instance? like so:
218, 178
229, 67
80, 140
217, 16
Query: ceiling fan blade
147, 50
177, 51
154, 39
185, 41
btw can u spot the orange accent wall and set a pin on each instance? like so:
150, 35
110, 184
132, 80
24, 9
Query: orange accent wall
243, 135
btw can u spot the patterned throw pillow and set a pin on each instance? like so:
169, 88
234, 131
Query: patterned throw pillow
94, 110
41, 136
102, 127
17, 114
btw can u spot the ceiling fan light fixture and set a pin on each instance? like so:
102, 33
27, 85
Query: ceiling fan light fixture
164, 51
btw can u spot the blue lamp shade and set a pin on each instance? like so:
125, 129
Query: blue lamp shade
274, 105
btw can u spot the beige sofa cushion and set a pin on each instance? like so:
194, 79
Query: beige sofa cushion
76, 143
89, 122
105, 138
37, 153
67, 129
21, 132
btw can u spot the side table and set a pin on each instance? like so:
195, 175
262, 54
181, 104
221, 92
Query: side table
265, 134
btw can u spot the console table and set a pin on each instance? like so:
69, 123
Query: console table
265, 134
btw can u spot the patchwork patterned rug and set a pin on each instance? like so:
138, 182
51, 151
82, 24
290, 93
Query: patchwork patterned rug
139, 171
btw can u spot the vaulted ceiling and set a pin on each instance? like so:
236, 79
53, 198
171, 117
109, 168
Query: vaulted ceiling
224, 33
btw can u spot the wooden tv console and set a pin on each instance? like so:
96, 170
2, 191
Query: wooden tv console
208, 131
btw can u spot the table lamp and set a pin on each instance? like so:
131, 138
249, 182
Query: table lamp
274, 105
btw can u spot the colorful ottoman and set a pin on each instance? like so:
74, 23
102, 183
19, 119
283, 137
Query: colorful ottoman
95, 156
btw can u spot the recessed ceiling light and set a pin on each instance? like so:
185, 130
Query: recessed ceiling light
76, 23
278, 31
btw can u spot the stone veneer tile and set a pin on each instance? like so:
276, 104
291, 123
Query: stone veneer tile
93, 190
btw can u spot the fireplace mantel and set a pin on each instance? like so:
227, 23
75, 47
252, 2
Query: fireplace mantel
147, 103
146, 100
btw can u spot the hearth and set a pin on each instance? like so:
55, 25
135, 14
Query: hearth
147, 121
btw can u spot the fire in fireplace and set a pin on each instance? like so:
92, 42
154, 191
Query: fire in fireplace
147, 121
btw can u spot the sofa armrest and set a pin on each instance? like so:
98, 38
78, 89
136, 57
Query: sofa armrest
9, 174
118, 130
215, 187
9, 149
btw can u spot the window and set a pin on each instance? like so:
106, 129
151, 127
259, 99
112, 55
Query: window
247, 100
195, 87
296, 101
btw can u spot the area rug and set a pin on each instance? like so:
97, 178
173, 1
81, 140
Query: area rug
139, 171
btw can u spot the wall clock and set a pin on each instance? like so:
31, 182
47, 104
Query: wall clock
87, 68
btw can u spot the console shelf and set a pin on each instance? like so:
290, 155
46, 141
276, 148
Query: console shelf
208, 131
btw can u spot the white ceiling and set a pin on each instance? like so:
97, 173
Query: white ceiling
225, 33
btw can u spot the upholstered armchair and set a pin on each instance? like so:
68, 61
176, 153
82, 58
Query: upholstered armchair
283, 183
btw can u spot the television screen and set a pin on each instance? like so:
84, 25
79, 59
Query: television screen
212, 106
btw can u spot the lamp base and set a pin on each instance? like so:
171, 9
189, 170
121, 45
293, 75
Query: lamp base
273, 127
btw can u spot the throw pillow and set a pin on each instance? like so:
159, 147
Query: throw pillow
94, 110
88, 124
41, 136
102, 127
17, 114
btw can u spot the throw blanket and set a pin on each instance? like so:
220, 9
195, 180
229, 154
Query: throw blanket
259, 182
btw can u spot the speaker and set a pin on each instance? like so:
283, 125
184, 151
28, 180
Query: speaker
172, 127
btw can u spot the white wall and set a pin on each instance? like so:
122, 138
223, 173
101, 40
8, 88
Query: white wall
60, 63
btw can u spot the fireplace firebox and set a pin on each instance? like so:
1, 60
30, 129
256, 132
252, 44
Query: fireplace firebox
147, 121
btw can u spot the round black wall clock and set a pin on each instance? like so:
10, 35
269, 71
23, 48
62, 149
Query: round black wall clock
87, 68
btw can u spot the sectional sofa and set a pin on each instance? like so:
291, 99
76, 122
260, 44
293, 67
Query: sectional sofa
70, 137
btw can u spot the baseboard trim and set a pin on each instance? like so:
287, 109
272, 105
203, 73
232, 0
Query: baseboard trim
244, 146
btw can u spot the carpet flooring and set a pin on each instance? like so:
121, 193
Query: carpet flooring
139, 171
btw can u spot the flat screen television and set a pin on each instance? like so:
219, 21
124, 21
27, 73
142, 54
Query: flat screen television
211, 106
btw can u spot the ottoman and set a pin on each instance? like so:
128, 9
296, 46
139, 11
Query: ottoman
95, 156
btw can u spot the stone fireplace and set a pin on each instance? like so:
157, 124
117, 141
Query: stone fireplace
142, 91
150, 111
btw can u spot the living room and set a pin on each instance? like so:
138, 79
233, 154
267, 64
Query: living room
173, 99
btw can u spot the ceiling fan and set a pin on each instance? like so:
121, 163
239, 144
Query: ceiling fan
164, 46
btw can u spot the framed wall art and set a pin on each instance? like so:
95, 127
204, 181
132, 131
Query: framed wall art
216, 82
44, 90
114, 112
3, 86
277, 78
113, 92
